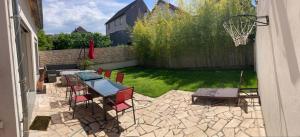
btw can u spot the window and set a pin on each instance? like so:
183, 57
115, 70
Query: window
36, 56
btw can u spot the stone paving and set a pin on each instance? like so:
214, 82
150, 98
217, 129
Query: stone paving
171, 114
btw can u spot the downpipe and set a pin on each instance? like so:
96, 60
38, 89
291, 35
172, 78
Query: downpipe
17, 28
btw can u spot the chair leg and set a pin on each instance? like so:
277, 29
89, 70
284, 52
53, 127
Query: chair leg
67, 92
70, 97
238, 102
133, 111
74, 110
118, 121
259, 101
193, 101
93, 107
86, 104
70, 104
104, 108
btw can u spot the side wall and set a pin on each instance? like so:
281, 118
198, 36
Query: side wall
110, 56
278, 62
11, 111
8, 99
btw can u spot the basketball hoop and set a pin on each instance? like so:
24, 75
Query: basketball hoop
240, 27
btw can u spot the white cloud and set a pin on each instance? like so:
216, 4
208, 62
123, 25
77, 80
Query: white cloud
65, 15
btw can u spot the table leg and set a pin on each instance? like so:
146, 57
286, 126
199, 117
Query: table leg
104, 108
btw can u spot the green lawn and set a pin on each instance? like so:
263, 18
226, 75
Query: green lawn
155, 82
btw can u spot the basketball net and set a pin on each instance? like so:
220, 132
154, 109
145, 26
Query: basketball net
239, 27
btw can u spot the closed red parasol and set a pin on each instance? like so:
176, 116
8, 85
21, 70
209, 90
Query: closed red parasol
91, 49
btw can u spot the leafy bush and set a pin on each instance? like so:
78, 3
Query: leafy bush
71, 41
163, 36
45, 42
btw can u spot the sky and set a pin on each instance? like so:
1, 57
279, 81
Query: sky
65, 15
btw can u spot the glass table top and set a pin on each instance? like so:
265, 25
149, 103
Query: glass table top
86, 76
104, 87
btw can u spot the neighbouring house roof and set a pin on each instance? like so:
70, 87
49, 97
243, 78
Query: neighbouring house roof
37, 12
122, 11
80, 29
171, 6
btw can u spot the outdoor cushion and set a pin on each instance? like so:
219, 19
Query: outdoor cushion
121, 106
82, 98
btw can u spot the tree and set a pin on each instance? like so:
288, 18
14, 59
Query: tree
45, 43
162, 36
71, 41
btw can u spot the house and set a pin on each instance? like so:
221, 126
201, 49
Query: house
278, 66
19, 22
165, 7
118, 27
80, 30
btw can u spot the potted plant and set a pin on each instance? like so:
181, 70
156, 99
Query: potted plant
85, 64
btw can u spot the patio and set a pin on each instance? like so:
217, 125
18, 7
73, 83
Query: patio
171, 114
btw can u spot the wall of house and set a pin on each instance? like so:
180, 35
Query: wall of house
165, 8
110, 57
8, 117
278, 62
121, 37
136, 12
119, 29
117, 25
11, 111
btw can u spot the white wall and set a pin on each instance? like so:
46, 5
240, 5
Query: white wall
278, 62
10, 99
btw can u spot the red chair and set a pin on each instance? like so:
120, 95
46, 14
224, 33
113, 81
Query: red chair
120, 77
73, 81
119, 104
107, 73
100, 70
86, 98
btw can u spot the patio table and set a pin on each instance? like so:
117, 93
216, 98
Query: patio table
101, 86
73, 72
70, 72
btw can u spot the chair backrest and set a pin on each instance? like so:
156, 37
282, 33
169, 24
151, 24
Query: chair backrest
107, 73
73, 90
72, 80
100, 70
124, 94
120, 77
69, 81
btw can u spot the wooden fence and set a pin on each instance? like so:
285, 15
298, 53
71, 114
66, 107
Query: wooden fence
210, 57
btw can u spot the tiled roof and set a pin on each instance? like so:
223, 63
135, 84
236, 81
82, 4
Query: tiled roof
80, 29
121, 12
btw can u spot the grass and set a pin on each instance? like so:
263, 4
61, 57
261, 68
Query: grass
156, 82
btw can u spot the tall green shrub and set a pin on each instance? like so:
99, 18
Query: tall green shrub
163, 36
45, 43
77, 40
